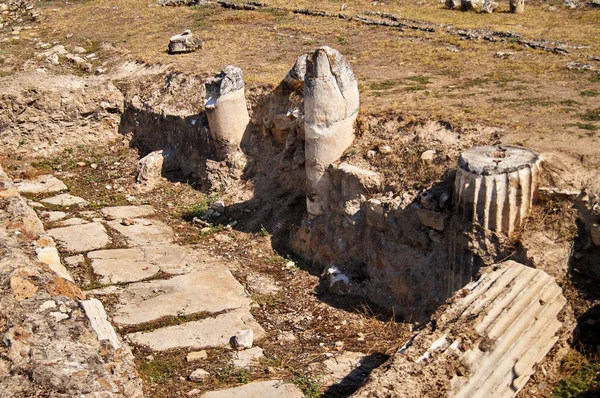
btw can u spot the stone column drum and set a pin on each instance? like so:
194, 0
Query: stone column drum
226, 109
330, 106
517, 6
496, 186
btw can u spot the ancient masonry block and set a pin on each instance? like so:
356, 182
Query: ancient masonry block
184, 43
226, 109
496, 186
330, 105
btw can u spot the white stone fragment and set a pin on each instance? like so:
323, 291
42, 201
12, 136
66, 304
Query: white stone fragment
243, 339
97, 315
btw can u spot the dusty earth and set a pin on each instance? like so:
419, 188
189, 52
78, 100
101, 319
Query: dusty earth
442, 89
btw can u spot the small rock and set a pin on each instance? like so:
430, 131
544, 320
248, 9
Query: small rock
59, 316
287, 337
503, 55
428, 156
489, 6
53, 59
127, 222
199, 375
336, 282
435, 236
193, 392
196, 356
339, 345
46, 305
78, 50
219, 207
385, 149
371, 154
243, 339
94, 166
184, 43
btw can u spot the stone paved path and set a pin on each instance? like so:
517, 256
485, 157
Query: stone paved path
153, 279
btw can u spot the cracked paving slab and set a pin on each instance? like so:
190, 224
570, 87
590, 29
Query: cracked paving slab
41, 184
144, 231
209, 332
136, 264
81, 238
212, 291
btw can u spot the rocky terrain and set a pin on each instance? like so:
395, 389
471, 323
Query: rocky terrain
245, 199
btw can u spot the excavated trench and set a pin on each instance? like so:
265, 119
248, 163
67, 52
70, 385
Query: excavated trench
389, 232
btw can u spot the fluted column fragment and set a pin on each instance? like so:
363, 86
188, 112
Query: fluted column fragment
331, 106
496, 186
226, 109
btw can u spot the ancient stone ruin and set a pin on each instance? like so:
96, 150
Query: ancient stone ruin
330, 109
483, 323
496, 186
226, 110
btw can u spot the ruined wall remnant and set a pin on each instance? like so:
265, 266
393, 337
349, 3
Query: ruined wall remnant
496, 186
331, 106
226, 109
485, 343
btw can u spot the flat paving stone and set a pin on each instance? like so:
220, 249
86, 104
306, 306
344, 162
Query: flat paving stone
118, 212
65, 199
72, 221
122, 265
144, 231
51, 216
41, 184
81, 238
136, 264
259, 389
211, 291
209, 332
246, 358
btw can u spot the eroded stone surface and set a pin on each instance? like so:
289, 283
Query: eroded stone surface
144, 231
65, 200
135, 264
245, 358
210, 332
208, 290
81, 238
51, 216
259, 389
41, 184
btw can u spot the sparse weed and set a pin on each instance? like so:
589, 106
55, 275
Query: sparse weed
591, 116
158, 371
309, 386
583, 378
589, 93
